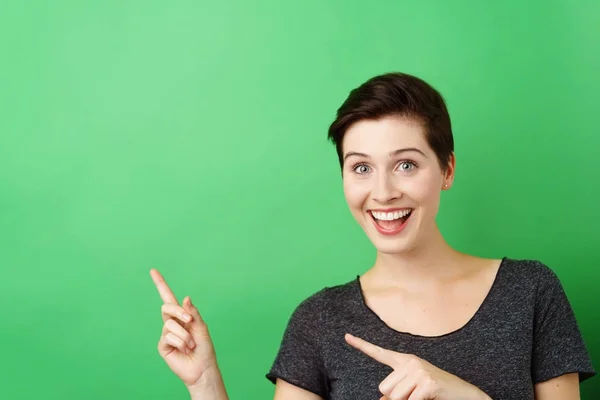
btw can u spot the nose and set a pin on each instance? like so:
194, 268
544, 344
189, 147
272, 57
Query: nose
385, 189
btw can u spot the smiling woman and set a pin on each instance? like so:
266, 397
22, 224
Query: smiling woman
426, 321
436, 323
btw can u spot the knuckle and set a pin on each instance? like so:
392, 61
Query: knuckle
171, 324
387, 392
386, 386
419, 369
186, 336
202, 326
430, 383
414, 362
174, 340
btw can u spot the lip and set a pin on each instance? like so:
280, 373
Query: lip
390, 232
389, 209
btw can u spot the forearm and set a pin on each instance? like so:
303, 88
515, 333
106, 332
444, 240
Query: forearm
210, 387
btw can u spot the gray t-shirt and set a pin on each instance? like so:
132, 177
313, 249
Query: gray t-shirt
524, 332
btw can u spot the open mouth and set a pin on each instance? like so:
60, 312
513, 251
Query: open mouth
391, 222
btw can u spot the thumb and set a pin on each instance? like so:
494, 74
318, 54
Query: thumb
197, 324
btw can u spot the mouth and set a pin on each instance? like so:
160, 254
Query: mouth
391, 222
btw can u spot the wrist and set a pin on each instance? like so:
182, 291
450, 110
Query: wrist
480, 395
210, 386
475, 394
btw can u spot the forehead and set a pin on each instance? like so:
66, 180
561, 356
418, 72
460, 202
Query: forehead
379, 137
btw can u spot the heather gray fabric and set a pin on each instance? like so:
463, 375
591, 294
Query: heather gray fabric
524, 332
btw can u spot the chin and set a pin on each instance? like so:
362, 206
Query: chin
392, 247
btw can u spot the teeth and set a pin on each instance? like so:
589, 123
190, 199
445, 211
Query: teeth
391, 215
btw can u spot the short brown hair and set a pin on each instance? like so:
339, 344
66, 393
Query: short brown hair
397, 94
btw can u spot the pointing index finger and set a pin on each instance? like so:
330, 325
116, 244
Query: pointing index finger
166, 294
375, 352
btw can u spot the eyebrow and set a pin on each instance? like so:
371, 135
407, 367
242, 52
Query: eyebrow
393, 153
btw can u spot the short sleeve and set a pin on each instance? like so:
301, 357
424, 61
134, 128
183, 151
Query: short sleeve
299, 360
558, 346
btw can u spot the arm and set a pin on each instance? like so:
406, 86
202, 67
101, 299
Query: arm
560, 360
283, 391
211, 387
299, 371
287, 391
564, 387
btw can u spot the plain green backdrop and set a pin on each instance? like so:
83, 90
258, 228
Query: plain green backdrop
190, 136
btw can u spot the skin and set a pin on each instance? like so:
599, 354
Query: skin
186, 346
439, 288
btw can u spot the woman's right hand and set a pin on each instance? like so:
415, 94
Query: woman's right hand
185, 343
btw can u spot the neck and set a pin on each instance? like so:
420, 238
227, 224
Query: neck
433, 261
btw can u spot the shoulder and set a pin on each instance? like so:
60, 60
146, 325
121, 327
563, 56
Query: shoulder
533, 273
326, 300
536, 281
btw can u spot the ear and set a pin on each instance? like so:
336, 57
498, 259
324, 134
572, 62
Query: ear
449, 173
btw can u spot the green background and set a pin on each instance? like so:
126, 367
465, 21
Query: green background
190, 136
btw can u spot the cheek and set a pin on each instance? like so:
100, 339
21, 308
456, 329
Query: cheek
355, 194
424, 191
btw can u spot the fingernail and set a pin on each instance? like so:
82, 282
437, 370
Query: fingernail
187, 317
192, 344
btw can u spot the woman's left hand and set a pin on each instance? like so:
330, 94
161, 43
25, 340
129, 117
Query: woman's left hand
414, 378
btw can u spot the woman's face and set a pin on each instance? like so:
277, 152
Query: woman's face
392, 182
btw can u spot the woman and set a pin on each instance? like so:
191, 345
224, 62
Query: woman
426, 321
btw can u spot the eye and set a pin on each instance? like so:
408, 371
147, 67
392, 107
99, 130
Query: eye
361, 169
407, 166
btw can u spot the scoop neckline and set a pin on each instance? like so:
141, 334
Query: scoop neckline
457, 331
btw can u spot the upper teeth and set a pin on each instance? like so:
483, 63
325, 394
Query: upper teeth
390, 215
